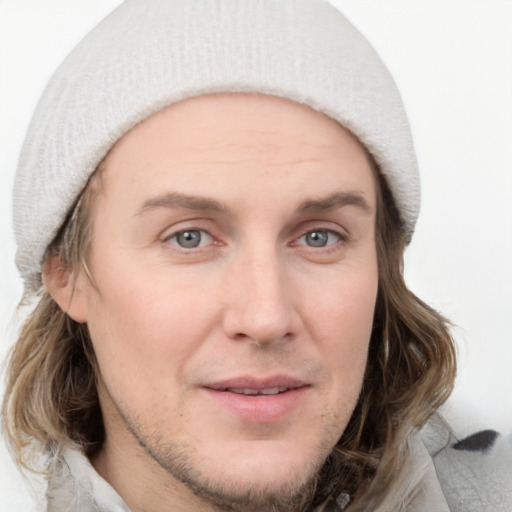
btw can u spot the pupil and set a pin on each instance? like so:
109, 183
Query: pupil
189, 239
317, 238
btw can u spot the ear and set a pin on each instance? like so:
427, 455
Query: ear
61, 283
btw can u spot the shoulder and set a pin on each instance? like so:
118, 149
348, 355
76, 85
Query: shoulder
475, 471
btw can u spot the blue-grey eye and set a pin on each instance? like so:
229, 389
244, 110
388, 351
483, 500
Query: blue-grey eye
320, 238
191, 238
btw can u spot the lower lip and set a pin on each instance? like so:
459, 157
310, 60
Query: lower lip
259, 408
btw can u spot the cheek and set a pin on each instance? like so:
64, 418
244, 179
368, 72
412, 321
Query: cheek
143, 330
346, 306
343, 321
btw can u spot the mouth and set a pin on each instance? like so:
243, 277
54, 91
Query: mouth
259, 400
256, 392
253, 386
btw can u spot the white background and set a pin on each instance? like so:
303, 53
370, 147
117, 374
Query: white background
452, 60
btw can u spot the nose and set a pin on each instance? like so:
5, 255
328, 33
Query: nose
259, 300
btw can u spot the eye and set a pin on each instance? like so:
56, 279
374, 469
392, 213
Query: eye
190, 238
319, 238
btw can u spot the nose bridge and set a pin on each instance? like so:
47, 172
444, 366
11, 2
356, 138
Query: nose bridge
260, 306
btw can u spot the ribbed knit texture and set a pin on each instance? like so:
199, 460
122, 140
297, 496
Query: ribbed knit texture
149, 54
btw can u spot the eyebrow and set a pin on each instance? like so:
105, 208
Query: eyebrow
335, 200
205, 204
177, 200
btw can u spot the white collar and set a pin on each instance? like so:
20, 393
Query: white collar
76, 485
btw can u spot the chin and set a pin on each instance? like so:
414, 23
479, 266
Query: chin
272, 480
274, 461
256, 475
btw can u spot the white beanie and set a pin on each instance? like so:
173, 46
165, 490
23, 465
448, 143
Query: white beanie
149, 54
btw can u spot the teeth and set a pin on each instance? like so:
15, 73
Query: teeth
243, 391
272, 391
268, 391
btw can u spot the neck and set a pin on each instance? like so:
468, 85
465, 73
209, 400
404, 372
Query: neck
142, 483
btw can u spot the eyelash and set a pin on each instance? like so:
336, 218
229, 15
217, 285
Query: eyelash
329, 233
329, 244
175, 235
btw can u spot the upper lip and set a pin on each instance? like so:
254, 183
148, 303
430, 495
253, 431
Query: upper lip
257, 384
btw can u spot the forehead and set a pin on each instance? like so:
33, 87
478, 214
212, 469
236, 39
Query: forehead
228, 140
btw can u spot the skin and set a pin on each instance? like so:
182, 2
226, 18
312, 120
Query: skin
282, 286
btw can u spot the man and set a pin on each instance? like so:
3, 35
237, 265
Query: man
214, 198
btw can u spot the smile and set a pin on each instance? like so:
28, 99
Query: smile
257, 400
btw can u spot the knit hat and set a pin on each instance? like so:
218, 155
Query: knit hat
149, 54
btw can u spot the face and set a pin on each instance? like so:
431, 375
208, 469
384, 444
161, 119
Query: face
235, 279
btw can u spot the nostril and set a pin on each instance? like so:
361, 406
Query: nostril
263, 341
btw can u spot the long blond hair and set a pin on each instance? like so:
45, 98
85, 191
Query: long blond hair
51, 397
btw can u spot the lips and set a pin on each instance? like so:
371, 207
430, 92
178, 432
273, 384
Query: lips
257, 384
258, 400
